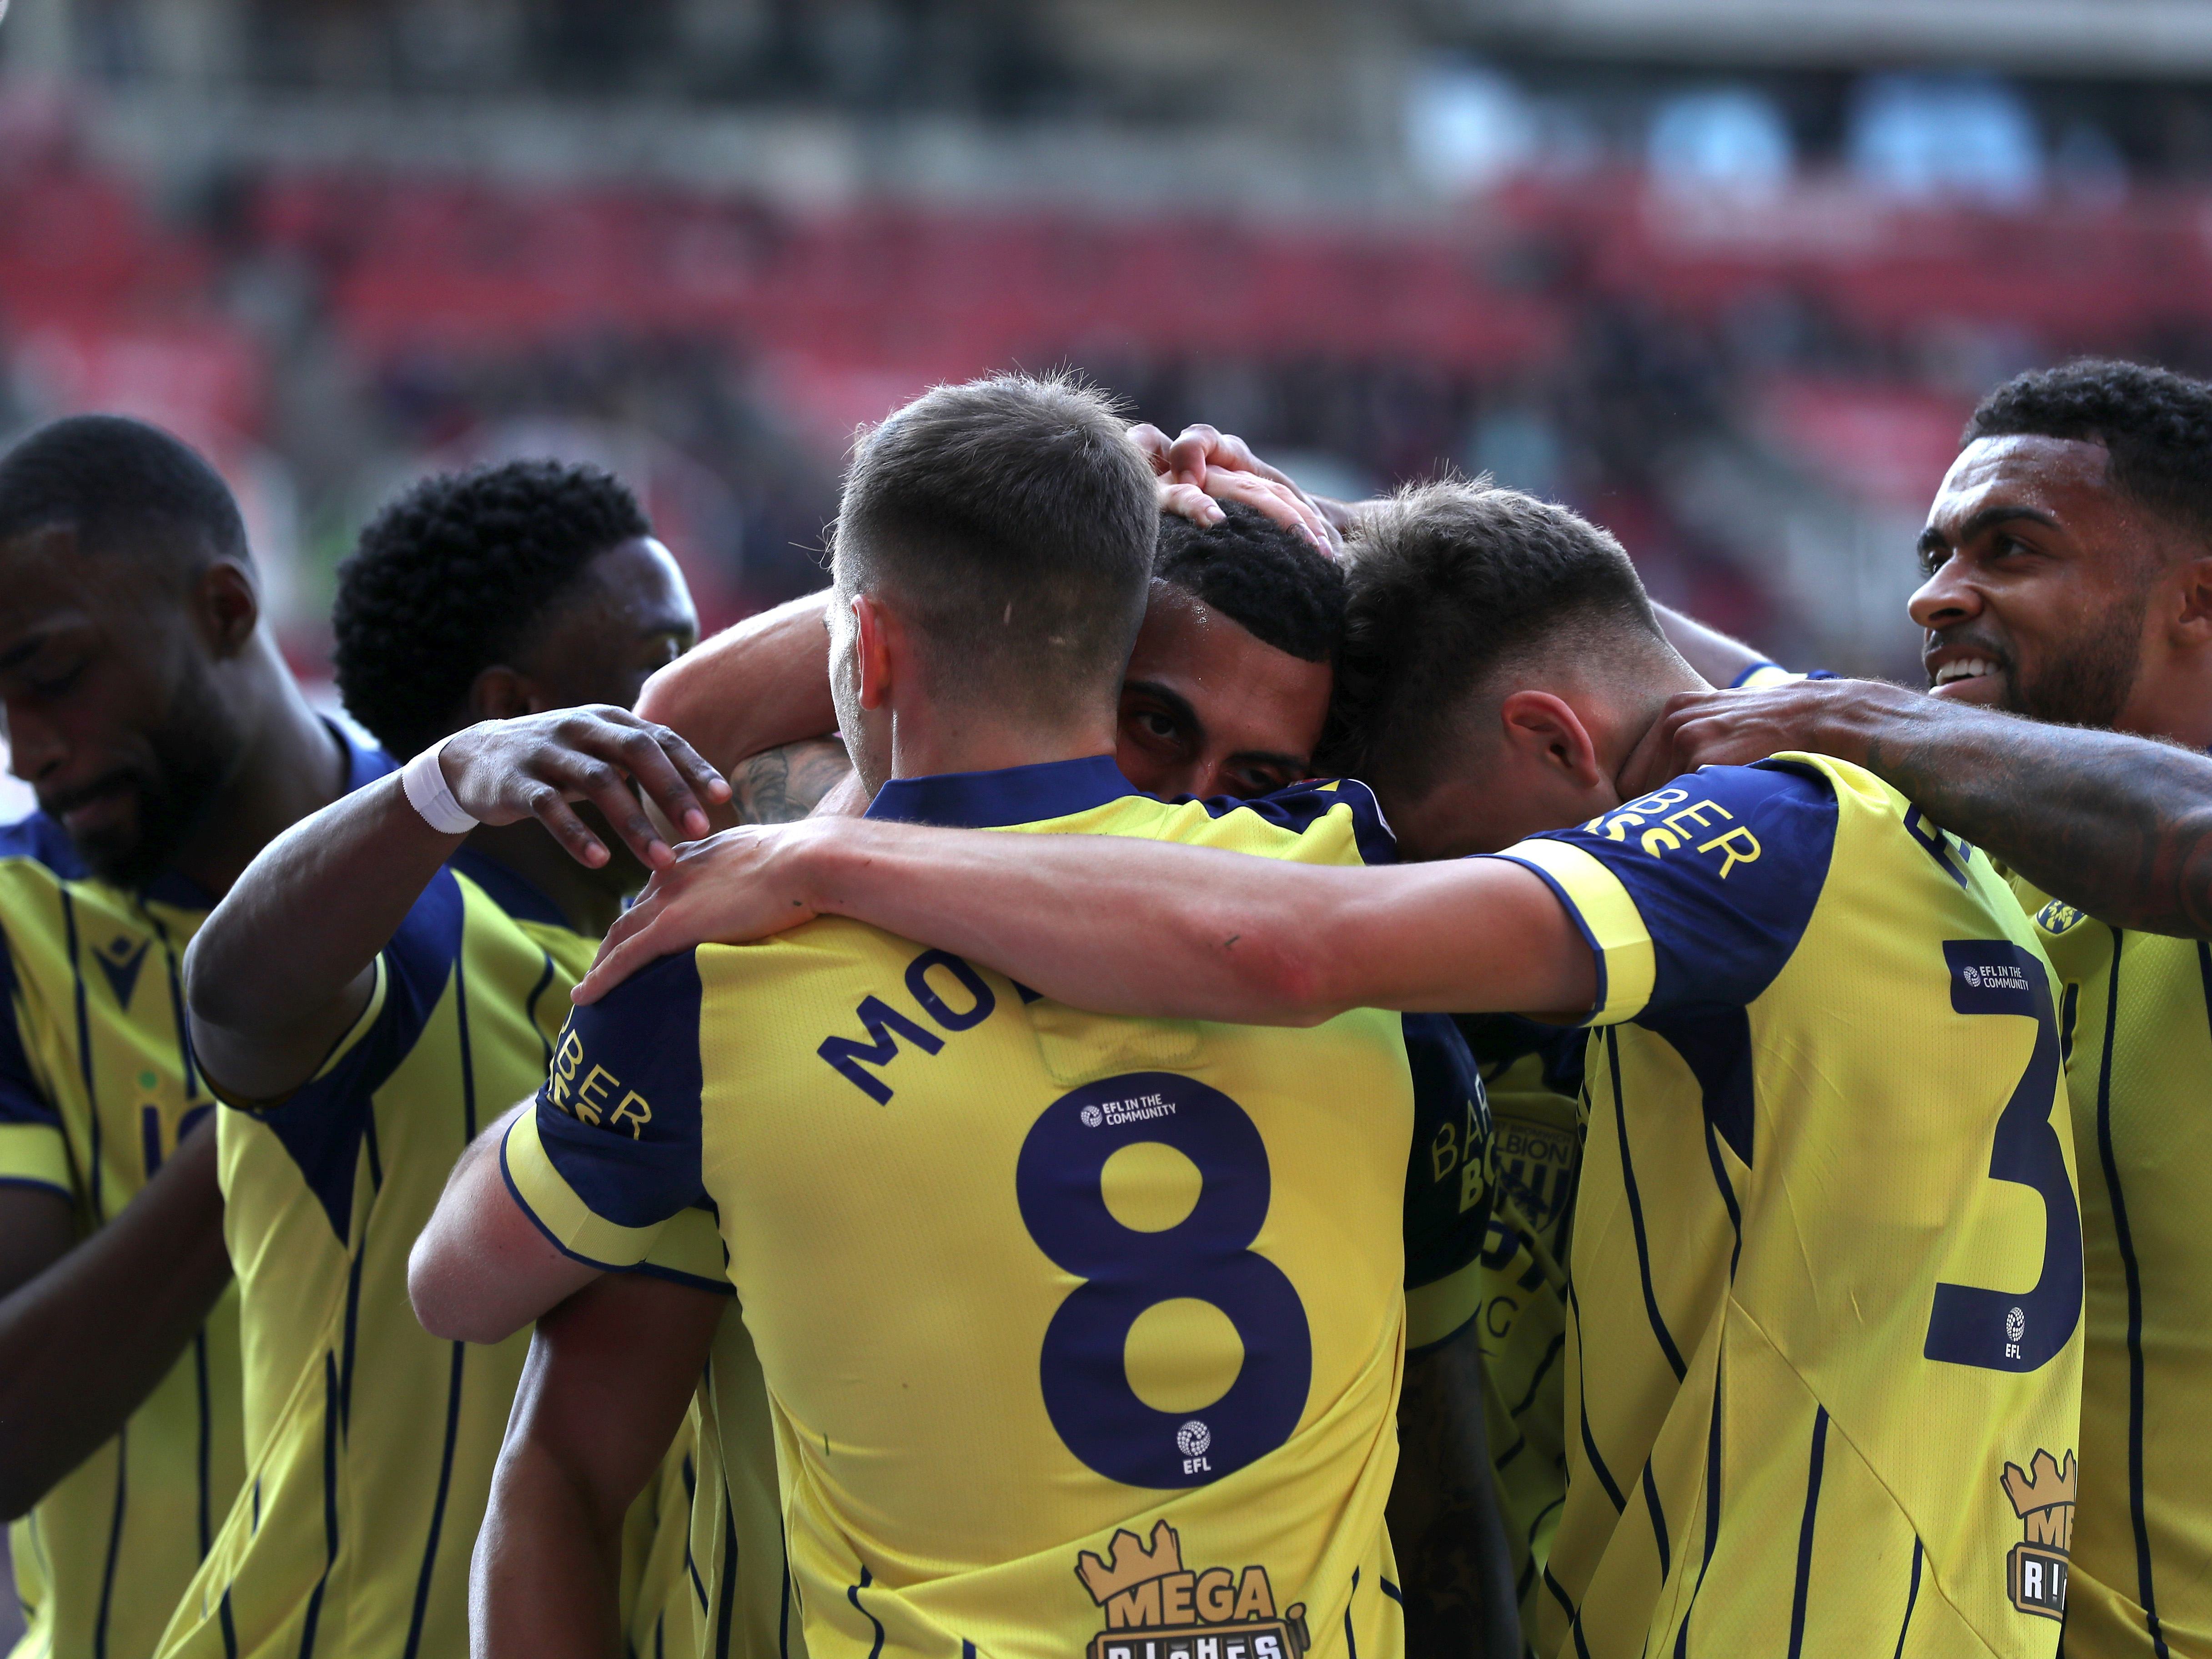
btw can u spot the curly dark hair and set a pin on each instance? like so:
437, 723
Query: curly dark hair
455, 577
2155, 425
1258, 575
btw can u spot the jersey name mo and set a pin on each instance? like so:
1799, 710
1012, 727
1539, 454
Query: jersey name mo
886, 1024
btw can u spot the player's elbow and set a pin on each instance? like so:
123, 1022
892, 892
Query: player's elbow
451, 1301
1282, 982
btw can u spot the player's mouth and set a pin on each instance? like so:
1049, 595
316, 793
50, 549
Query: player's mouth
1969, 671
98, 806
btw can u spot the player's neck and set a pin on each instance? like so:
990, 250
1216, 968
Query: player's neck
926, 742
291, 765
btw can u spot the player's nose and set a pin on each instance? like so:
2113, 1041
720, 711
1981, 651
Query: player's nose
36, 748
1945, 599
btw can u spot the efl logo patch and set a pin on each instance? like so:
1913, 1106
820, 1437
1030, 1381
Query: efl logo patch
1156, 1609
2043, 1498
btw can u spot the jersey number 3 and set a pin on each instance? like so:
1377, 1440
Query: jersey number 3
1997, 1329
1206, 1257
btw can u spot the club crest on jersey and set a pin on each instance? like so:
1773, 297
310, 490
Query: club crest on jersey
1157, 1609
2042, 1497
2055, 918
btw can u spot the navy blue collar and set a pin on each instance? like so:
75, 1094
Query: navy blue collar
996, 800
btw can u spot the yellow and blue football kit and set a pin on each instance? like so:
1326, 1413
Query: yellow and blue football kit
369, 1444
97, 1086
1825, 1310
2135, 1013
1534, 1076
1080, 1334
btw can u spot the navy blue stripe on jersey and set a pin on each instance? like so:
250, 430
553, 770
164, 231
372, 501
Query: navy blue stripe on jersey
229, 1626
84, 1048
1805, 1533
783, 1612
1658, 1522
521, 898
1725, 867
1299, 806
1391, 1590
330, 1507
537, 995
1582, 1410
2146, 1591
467, 1060
1717, 1047
321, 1123
639, 1041
114, 1542
183, 1028
438, 1505
1551, 1357
20, 1100
1912, 1597
852, 1595
1009, 795
1351, 1645
1450, 1109
1728, 1196
1665, 1337
1712, 1497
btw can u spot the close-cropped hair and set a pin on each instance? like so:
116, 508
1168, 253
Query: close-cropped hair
2155, 426
124, 486
456, 576
1280, 590
1448, 583
1010, 520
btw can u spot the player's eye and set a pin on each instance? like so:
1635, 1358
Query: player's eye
1259, 780
1156, 727
52, 685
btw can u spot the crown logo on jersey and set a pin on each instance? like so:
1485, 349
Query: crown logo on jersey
2042, 1497
1158, 1609
1134, 1562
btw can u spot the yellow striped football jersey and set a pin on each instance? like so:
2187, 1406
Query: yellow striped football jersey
2136, 1016
96, 1088
1082, 1335
1824, 1318
369, 1444
1534, 1076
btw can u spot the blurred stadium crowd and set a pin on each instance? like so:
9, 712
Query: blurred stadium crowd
1736, 316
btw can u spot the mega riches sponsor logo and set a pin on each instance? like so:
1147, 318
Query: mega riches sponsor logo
2043, 1498
1158, 1609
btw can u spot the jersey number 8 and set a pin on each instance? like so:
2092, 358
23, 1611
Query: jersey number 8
1206, 1257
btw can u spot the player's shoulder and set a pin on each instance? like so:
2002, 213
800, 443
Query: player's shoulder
1322, 820
34, 852
1779, 813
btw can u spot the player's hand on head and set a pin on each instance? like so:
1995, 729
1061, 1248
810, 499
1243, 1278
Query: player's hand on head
726, 889
1205, 467
540, 765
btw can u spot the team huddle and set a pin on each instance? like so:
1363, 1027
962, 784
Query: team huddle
1168, 1069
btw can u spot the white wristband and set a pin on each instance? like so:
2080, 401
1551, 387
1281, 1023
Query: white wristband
424, 780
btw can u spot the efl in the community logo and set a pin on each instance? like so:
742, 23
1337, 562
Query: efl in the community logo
1157, 1609
2043, 1498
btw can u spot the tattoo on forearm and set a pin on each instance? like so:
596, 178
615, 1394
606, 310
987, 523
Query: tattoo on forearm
2118, 826
782, 785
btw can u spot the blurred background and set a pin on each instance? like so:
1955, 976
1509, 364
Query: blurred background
1726, 275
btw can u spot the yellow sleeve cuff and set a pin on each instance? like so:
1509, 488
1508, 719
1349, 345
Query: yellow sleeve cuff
1766, 674
35, 1155
548, 1199
1609, 918
688, 1249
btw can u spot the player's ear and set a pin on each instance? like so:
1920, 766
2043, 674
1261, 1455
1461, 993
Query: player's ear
1544, 729
2192, 622
499, 693
877, 641
228, 607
